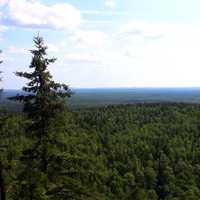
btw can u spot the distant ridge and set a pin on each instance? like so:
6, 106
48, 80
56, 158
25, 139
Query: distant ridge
109, 96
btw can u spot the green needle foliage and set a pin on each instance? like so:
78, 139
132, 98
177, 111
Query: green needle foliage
44, 103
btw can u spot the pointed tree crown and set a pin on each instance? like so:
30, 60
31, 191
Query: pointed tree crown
41, 92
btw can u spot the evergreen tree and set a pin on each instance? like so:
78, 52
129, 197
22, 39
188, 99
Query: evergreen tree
44, 103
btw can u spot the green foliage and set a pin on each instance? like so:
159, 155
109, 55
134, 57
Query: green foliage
144, 152
151, 149
12, 142
44, 102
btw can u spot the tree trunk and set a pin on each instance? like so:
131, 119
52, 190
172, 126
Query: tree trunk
2, 187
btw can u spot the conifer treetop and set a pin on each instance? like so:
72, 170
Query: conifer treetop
41, 88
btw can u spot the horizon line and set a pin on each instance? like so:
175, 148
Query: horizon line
143, 87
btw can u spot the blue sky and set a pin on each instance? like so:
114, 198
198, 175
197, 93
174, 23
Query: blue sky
105, 43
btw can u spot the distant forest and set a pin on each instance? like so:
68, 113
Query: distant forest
117, 152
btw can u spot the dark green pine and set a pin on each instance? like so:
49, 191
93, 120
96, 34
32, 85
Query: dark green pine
44, 103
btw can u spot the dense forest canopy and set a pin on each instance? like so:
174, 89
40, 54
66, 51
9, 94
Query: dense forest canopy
118, 152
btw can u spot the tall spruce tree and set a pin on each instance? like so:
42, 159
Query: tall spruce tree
44, 103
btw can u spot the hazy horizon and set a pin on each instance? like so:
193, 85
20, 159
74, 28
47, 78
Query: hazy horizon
85, 88
114, 96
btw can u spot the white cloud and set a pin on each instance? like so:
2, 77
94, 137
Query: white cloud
110, 3
139, 54
143, 29
83, 57
140, 59
175, 57
34, 14
89, 39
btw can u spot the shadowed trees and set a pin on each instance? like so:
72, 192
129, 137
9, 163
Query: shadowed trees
44, 104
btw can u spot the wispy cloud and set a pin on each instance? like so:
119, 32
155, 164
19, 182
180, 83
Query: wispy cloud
89, 39
96, 24
103, 12
143, 29
83, 58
